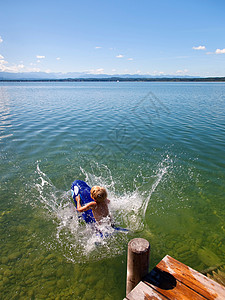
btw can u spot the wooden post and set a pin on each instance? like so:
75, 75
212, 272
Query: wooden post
137, 262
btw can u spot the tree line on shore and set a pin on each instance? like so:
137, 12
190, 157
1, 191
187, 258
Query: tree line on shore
119, 79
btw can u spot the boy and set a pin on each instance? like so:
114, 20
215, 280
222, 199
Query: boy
99, 205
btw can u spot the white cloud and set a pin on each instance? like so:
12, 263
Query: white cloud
96, 71
40, 56
2, 62
16, 68
38, 61
5, 67
58, 58
182, 71
1, 40
98, 47
120, 56
220, 51
13, 69
158, 73
33, 70
199, 48
130, 59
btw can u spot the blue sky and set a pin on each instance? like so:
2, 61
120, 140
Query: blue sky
113, 37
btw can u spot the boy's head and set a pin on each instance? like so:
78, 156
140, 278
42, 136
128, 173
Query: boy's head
98, 193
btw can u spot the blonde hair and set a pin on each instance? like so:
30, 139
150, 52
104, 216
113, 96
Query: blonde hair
98, 193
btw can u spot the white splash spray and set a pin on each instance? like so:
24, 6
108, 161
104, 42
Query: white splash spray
75, 238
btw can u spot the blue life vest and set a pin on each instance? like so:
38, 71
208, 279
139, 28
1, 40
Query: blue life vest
81, 188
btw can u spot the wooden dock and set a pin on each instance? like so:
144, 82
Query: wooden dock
171, 279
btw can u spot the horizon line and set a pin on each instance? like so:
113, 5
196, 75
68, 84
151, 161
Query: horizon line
190, 79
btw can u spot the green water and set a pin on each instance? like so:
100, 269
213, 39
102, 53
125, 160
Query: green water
157, 147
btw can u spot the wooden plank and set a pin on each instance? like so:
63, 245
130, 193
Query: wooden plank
179, 292
192, 279
144, 292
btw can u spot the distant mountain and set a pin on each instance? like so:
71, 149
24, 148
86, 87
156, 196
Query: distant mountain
75, 75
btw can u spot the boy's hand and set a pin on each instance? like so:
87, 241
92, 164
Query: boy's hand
78, 198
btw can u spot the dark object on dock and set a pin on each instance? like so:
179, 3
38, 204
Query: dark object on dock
161, 279
171, 279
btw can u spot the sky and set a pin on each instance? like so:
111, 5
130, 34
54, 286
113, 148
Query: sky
146, 37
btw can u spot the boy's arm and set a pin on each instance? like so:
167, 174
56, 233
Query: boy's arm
85, 207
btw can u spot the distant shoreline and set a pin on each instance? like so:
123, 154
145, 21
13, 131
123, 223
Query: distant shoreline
118, 79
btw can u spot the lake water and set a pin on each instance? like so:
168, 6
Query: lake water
158, 148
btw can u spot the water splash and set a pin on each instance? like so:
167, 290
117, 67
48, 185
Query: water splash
76, 239
161, 171
49, 197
